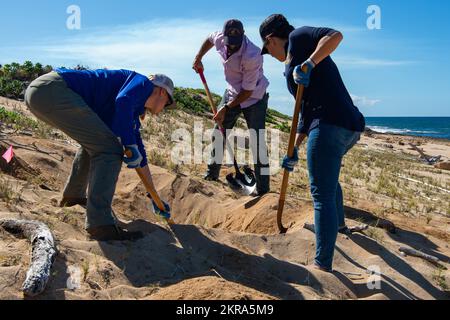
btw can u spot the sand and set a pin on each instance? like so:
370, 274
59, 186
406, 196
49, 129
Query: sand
222, 246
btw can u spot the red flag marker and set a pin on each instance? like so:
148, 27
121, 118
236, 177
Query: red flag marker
9, 155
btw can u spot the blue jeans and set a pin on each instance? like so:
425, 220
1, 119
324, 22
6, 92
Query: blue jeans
326, 148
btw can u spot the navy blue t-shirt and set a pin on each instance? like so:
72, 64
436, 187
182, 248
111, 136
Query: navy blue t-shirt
326, 99
117, 96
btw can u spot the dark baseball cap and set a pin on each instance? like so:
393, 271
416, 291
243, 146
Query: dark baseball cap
274, 25
233, 31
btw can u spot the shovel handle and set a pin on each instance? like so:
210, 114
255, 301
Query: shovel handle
214, 110
284, 185
208, 92
148, 187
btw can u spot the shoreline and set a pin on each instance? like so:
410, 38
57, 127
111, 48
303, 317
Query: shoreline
370, 132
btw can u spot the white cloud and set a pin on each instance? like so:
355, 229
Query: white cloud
348, 61
364, 101
169, 47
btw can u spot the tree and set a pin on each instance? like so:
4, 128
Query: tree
38, 69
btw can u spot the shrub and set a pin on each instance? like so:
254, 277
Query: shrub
14, 77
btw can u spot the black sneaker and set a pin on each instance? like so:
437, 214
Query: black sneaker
71, 202
210, 178
113, 233
345, 231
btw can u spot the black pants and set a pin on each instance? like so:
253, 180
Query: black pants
255, 117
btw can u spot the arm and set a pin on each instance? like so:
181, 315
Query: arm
326, 46
241, 97
206, 46
299, 140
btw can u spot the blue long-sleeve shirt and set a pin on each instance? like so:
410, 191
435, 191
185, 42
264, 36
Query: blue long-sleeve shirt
117, 97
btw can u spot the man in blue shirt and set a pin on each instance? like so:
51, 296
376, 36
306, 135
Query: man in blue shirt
330, 120
101, 110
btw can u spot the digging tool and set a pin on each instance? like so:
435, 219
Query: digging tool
150, 189
242, 182
284, 185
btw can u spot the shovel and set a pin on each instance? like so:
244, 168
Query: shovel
244, 183
284, 185
154, 196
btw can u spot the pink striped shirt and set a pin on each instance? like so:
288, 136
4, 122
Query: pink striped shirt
243, 70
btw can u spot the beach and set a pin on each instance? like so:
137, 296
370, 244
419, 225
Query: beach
224, 246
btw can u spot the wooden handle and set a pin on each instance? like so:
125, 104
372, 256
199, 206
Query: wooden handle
208, 93
291, 147
148, 187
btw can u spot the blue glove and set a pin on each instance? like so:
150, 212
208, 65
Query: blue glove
135, 160
301, 77
290, 163
164, 214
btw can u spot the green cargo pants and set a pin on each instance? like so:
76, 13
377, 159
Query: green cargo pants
99, 160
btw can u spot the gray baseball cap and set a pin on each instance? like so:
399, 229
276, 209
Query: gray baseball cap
163, 81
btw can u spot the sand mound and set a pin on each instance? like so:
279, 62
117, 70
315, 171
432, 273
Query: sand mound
223, 247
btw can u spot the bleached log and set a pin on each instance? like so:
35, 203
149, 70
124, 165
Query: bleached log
415, 253
43, 252
430, 160
421, 182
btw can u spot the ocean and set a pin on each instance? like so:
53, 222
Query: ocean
422, 127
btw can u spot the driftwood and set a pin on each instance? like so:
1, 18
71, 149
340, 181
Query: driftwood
360, 228
418, 254
430, 160
43, 252
422, 183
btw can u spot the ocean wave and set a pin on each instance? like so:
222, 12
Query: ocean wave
380, 129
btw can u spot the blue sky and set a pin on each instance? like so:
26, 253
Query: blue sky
401, 70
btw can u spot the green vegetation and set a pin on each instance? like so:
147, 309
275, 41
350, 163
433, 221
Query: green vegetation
194, 101
272, 116
20, 122
283, 127
15, 77
439, 278
7, 194
17, 120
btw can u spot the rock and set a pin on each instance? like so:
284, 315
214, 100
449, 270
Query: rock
445, 165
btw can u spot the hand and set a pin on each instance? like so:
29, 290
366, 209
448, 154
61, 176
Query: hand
290, 163
164, 214
303, 78
133, 157
198, 66
219, 118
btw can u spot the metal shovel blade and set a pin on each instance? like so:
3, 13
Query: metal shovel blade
242, 183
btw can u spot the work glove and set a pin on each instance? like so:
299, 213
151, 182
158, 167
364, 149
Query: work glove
134, 161
164, 214
290, 163
301, 77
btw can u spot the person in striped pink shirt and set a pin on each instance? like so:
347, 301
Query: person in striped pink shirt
246, 93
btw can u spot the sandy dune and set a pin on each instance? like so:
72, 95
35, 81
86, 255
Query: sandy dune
222, 247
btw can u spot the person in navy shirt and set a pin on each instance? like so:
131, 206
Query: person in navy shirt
330, 120
101, 110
